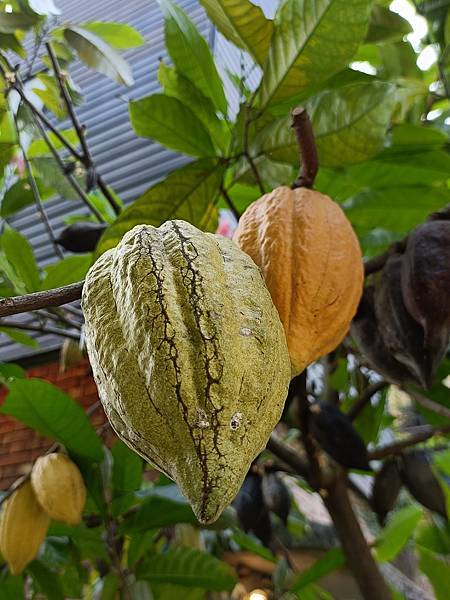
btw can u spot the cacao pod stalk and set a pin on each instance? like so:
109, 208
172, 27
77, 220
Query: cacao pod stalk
422, 483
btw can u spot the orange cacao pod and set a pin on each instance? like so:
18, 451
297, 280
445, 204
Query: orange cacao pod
311, 261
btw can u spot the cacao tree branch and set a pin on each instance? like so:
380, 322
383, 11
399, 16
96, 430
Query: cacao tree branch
356, 549
302, 126
225, 195
247, 153
425, 434
287, 455
439, 409
28, 302
365, 398
41, 329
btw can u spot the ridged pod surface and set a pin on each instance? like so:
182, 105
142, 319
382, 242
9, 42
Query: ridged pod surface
189, 356
311, 260
59, 487
23, 527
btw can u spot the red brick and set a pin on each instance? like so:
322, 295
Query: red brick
14, 436
15, 458
7, 482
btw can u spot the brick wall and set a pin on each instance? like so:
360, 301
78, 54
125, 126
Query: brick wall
19, 445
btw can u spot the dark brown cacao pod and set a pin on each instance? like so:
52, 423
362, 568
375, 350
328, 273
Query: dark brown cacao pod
276, 496
81, 237
426, 283
364, 331
335, 434
422, 483
251, 511
402, 335
386, 488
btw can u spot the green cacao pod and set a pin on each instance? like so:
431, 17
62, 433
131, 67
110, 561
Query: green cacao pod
189, 356
23, 527
59, 487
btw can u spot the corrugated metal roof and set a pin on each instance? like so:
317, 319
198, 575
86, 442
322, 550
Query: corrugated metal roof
128, 163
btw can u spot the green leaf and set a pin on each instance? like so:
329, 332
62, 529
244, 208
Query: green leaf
9, 372
242, 23
349, 125
397, 533
20, 337
433, 537
177, 86
191, 54
11, 586
253, 545
98, 55
126, 476
53, 414
168, 121
385, 25
46, 580
9, 41
67, 270
19, 253
188, 567
44, 7
333, 559
9, 22
18, 197
118, 35
187, 193
436, 568
110, 587
48, 170
50, 95
157, 512
370, 419
39, 147
312, 40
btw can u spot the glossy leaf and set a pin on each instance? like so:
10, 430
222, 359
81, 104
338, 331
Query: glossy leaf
242, 23
157, 512
385, 25
190, 53
312, 40
187, 193
190, 568
177, 86
97, 54
53, 414
397, 533
19, 253
67, 270
349, 126
9, 22
333, 559
126, 476
168, 121
436, 568
118, 35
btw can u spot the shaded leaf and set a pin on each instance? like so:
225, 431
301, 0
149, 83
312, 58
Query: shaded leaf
19, 254
187, 193
190, 53
157, 512
312, 40
349, 126
9, 22
177, 86
397, 533
67, 270
126, 476
48, 170
17, 197
190, 568
53, 414
118, 35
168, 121
97, 54
436, 568
333, 559
242, 23
9, 41
385, 24
46, 580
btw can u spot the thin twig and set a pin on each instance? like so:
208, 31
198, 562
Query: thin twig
440, 410
230, 203
41, 329
37, 300
35, 191
288, 456
302, 126
247, 153
87, 159
412, 440
365, 398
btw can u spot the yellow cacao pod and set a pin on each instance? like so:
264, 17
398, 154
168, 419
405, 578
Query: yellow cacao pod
311, 261
189, 356
59, 487
23, 527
